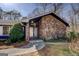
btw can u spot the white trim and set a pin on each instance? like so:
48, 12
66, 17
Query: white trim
1, 30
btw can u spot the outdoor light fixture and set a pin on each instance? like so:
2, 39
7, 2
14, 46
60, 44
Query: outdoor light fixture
32, 23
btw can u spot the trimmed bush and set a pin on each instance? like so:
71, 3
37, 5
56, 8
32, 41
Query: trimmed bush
16, 33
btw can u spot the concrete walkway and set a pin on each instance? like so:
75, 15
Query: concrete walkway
30, 49
19, 51
38, 43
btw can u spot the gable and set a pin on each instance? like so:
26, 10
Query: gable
51, 20
54, 15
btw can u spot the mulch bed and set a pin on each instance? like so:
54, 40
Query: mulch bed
15, 45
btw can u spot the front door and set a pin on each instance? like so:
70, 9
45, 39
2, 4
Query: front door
33, 32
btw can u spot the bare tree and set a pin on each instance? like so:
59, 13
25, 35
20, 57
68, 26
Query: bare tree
12, 15
71, 17
75, 13
57, 8
36, 12
54, 7
8, 16
1, 12
15, 14
74, 23
42, 8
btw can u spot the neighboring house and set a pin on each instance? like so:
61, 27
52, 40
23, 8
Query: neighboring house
7, 20
46, 26
6, 25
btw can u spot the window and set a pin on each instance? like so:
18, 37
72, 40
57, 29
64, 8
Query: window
6, 30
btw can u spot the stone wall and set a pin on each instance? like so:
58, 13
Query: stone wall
50, 27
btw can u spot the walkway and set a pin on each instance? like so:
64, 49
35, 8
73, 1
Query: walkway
18, 51
28, 50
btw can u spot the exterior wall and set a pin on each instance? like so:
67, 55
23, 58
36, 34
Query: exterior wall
50, 27
4, 30
1, 30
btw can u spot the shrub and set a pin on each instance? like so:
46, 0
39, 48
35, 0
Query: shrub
72, 36
16, 33
58, 39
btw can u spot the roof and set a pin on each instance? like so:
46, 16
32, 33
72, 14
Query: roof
57, 17
11, 22
35, 18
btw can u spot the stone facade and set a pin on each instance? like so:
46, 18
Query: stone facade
50, 27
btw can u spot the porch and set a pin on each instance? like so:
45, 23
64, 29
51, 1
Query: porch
34, 30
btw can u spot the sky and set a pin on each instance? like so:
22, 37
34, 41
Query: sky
26, 8
23, 8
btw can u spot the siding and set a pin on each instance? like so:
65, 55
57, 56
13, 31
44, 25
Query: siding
1, 30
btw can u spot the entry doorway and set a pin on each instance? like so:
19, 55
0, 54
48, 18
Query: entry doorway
33, 32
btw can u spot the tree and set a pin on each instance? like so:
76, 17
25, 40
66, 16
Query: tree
74, 16
16, 33
16, 15
43, 8
1, 11
75, 13
8, 15
12, 15
56, 7
35, 12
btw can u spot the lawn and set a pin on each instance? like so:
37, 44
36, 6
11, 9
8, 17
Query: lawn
57, 49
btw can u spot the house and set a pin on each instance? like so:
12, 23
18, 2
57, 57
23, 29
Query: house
6, 25
7, 20
46, 26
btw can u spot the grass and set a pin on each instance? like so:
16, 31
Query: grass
56, 50
56, 40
